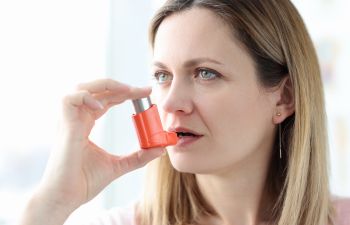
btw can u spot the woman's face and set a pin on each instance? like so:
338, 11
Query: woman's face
207, 85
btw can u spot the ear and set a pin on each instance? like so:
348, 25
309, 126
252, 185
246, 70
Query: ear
285, 105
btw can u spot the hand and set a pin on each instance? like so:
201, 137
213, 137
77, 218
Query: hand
78, 169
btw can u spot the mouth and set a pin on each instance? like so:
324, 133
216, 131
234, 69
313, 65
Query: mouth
186, 136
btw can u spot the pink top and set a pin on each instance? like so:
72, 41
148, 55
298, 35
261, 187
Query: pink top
126, 215
342, 207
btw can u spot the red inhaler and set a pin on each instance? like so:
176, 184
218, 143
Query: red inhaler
148, 127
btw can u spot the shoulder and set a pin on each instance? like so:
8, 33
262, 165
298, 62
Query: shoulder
117, 216
342, 210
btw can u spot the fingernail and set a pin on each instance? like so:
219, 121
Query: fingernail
99, 104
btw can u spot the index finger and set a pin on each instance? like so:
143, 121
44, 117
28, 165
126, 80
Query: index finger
103, 85
122, 91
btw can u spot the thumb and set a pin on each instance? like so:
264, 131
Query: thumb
125, 164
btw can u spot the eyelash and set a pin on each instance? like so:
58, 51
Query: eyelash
197, 71
217, 74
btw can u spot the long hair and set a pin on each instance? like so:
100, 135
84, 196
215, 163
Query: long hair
275, 36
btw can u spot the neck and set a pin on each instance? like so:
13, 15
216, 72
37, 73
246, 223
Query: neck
237, 194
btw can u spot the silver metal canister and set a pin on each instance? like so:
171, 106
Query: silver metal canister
142, 104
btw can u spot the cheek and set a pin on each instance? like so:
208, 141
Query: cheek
238, 122
225, 111
156, 98
155, 95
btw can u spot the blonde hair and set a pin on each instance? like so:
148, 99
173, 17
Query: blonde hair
274, 35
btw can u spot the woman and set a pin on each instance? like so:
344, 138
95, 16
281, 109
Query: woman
241, 79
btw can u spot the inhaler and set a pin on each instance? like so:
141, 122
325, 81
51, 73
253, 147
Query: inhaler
148, 127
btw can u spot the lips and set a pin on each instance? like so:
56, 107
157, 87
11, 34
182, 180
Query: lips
186, 136
185, 132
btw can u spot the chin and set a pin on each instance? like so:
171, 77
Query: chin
188, 165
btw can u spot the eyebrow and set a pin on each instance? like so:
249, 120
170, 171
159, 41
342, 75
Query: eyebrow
190, 63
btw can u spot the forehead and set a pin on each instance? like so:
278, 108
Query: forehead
194, 32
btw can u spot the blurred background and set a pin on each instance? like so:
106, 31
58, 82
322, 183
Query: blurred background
47, 47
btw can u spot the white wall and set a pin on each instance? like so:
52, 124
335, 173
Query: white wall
48, 46
327, 21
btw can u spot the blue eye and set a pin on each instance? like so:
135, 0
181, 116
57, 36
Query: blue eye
162, 77
206, 74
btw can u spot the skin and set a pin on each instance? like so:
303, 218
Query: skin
234, 113
78, 169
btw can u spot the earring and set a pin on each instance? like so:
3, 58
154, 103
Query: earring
280, 140
279, 135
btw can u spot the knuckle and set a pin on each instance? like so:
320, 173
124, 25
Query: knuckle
83, 92
75, 97
109, 80
108, 83
66, 99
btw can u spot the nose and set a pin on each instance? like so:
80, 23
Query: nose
178, 98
